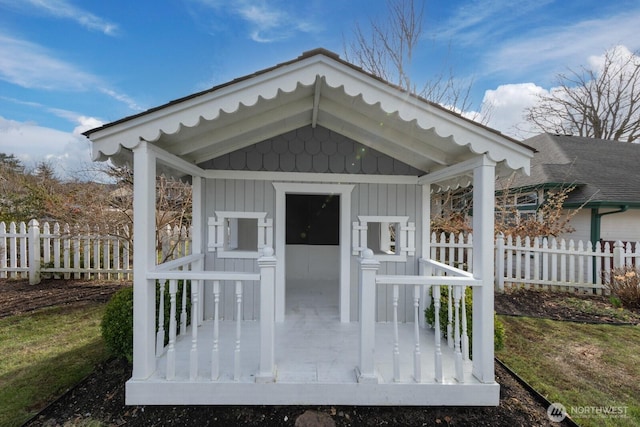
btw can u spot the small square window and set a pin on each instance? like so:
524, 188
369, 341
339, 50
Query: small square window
391, 238
239, 234
382, 237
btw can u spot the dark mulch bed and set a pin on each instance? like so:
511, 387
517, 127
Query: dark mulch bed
567, 306
18, 296
100, 397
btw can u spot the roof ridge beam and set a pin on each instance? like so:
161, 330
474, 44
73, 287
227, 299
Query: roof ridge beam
316, 101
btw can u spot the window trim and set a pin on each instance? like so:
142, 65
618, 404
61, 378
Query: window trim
405, 236
220, 243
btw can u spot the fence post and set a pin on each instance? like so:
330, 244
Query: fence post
618, 254
366, 372
499, 279
3, 250
34, 252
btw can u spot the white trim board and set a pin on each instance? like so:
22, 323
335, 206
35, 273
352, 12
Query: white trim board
338, 178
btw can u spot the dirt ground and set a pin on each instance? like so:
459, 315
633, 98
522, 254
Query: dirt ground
100, 397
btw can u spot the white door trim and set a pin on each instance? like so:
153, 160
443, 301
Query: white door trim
344, 191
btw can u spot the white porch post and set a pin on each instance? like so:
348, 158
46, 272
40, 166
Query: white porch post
267, 265
197, 213
144, 238
366, 372
197, 233
425, 269
483, 269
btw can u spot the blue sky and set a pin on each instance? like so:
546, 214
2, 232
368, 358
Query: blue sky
69, 65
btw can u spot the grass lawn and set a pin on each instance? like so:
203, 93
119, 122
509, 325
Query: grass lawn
587, 367
44, 353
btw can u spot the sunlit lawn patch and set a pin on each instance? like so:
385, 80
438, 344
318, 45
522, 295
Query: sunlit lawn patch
578, 365
44, 353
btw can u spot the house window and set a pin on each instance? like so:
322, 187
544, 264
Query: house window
527, 200
239, 234
512, 218
391, 238
461, 201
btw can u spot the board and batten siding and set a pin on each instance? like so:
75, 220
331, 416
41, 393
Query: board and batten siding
312, 150
240, 196
623, 226
393, 200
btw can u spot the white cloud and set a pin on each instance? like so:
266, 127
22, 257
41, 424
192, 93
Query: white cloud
32, 144
267, 21
66, 10
619, 56
29, 65
503, 108
126, 99
549, 50
85, 124
476, 22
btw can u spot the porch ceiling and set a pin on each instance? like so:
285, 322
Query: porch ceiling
317, 89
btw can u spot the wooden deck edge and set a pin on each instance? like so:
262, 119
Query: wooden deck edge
358, 394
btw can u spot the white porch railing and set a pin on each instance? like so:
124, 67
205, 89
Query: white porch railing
455, 280
185, 276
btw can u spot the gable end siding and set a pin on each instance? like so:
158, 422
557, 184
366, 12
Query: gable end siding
310, 149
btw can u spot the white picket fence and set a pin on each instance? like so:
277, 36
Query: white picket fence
83, 253
540, 262
36, 251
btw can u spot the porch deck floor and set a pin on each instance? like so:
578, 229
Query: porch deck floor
312, 345
315, 357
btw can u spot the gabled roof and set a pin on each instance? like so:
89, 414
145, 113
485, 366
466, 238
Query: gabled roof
604, 172
317, 89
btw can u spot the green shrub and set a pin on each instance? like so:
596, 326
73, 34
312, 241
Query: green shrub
117, 324
499, 331
167, 306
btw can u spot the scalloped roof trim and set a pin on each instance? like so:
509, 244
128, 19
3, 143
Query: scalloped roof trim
339, 75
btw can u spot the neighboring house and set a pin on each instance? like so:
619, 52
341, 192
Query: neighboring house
309, 269
606, 177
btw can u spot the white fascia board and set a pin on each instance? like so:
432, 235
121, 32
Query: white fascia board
190, 112
480, 140
287, 78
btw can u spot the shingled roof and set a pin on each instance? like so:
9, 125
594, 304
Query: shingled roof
605, 172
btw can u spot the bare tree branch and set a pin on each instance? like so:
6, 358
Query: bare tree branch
603, 104
387, 48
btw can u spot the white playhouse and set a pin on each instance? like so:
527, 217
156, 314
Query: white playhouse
310, 265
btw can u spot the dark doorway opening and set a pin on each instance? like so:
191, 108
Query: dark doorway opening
313, 219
